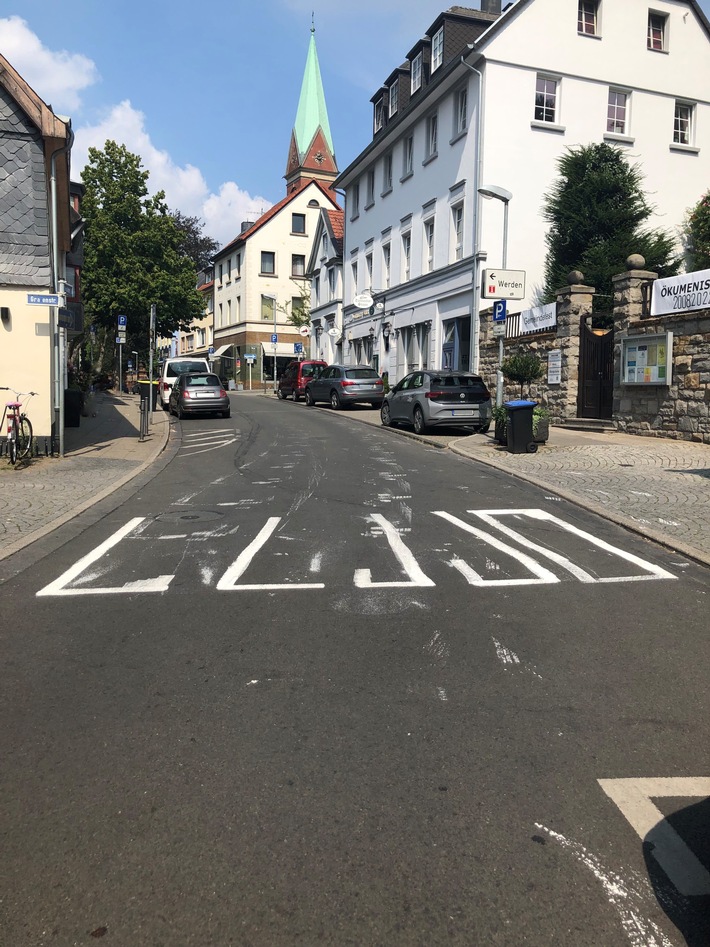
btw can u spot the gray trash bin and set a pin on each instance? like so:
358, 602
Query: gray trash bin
520, 427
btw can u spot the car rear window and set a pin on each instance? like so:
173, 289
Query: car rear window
470, 382
361, 373
207, 381
173, 369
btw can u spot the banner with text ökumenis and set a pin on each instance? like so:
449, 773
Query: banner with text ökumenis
685, 293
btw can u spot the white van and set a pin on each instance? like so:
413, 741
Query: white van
170, 371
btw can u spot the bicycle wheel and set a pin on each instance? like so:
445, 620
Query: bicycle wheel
12, 442
24, 438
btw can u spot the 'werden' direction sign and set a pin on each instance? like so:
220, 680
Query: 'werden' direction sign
503, 284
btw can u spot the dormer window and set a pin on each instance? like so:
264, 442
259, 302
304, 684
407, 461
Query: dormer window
437, 49
379, 115
657, 38
587, 13
416, 73
394, 97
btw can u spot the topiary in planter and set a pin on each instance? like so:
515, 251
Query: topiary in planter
523, 368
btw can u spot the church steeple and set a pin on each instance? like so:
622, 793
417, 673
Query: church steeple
311, 154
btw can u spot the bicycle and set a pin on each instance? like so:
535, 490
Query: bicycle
19, 427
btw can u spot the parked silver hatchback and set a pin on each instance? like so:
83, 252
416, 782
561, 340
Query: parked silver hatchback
342, 385
431, 398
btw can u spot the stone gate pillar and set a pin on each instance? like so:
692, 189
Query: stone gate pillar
574, 303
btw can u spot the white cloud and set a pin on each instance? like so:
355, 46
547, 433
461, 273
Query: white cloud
57, 77
185, 188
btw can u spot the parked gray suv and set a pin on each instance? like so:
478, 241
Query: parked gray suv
431, 398
343, 385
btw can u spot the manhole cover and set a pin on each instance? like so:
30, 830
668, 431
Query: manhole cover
181, 516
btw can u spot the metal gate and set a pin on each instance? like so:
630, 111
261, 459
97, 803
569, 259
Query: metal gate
596, 372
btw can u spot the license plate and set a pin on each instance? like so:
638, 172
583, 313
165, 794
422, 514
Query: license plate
205, 394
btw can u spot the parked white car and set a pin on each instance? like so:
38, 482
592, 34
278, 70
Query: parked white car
170, 371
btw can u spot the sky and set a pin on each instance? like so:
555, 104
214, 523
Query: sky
208, 97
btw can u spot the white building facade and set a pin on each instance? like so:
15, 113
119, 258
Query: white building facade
490, 98
325, 269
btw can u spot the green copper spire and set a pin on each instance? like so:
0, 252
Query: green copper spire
311, 105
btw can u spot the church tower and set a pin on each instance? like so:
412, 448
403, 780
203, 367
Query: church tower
310, 155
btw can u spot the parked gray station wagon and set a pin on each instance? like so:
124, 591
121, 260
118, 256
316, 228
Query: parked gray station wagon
343, 385
431, 398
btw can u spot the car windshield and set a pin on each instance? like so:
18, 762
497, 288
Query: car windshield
361, 373
439, 383
197, 381
173, 369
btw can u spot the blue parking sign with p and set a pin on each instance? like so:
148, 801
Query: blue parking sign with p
499, 309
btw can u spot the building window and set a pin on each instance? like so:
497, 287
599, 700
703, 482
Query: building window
379, 115
353, 273
238, 266
331, 283
268, 263
296, 306
219, 316
238, 309
386, 261
268, 307
387, 173
370, 188
394, 97
432, 135
298, 265
457, 221
316, 290
416, 73
408, 157
683, 124
437, 49
461, 110
356, 201
545, 99
221, 271
229, 269
587, 17
368, 270
406, 255
429, 245
324, 245
657, 23
616, 113
229, 312
298, 223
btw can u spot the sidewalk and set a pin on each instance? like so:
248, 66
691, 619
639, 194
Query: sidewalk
656, 487
100, 455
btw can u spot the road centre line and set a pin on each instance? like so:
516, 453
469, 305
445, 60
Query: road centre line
58, 587
634, 799
654, 572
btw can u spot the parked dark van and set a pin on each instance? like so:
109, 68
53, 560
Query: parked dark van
296, 376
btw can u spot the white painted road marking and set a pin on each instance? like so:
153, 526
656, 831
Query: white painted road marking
654, 572
58, 587
543, 576
228, 582
363, 577
633, 797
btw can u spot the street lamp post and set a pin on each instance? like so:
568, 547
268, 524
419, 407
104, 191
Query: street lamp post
493, 192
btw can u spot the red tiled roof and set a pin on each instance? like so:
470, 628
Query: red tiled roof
273, 211
337, 223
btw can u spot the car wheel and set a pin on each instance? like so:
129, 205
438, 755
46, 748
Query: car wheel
419, 425
385, 415
294, 395
335, 402
310, 401
180, 413
485, 429
226, 414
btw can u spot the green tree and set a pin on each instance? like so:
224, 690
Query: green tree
597, 210
523, 369
194, 244
133, 254
696, 235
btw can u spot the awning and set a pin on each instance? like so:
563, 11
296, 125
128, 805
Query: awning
360, 330
283, 349
221, 350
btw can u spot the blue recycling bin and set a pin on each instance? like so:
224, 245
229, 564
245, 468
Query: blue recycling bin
520, 426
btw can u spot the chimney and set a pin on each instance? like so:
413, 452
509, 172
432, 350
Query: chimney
246, 224
490, 6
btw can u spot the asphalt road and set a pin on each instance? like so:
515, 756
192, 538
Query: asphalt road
317, 683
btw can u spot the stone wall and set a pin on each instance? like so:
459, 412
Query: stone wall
680, 410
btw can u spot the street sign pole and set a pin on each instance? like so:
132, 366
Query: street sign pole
151, 349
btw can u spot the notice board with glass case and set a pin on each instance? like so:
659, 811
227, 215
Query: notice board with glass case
647, 359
